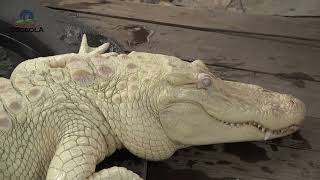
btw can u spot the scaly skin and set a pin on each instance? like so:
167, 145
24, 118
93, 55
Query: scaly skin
61, 115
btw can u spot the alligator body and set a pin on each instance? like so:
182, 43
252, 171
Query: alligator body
61, 115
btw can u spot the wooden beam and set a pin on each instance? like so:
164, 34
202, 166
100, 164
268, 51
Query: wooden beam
291, 8
288, 8
200, 19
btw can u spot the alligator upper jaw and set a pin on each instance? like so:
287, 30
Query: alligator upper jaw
266, 114
240, 103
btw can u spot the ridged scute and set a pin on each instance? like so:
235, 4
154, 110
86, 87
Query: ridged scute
80, 71
5, 120
11, 102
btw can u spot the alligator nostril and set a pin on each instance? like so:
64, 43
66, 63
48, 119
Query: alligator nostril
291, 102
266, 90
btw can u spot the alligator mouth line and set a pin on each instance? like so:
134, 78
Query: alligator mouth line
268, 132
261, 128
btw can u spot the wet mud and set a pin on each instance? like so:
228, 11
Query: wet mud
139, 34
296, 78
296, 141
246, 151
162, 171
266, 169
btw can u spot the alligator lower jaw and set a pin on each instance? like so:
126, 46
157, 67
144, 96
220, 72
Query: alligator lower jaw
267, 131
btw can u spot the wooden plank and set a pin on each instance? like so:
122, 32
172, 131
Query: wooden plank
292, 8
196, 18
238, 161
271, 57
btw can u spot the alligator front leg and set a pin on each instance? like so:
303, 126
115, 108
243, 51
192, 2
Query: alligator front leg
77, 155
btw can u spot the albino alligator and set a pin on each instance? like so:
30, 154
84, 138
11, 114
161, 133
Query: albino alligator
61, 115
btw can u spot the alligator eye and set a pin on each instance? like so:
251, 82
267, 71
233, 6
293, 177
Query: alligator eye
204, 81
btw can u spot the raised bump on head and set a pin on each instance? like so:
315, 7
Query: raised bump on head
57, 76
121, 85
131, 66
57, 63
98, 61
123, 56
35, 93
104, 70
15, 106
133, 87
133, 78
82, 76
22, 84
5, 85
76, 64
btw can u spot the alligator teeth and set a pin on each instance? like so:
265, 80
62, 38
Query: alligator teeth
267, 135
268, 132
294, 128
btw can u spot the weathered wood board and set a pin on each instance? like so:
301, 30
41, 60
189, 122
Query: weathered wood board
293, 8
197, 18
